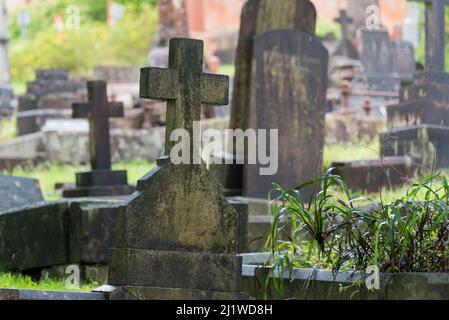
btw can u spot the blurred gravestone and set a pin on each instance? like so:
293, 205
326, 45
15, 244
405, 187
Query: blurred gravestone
377, 58
17, 192
435, 33
259, 16
419, 124
49, 96
403, 59
345, 47
288, 93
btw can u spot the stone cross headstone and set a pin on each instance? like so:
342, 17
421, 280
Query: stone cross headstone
179, 85
177, 235
17, 192
344, 21
345, 47
288, 93
101, 181
435, 33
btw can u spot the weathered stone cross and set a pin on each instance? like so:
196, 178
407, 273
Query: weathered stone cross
344, 20
98, 111
185, 87
435, 33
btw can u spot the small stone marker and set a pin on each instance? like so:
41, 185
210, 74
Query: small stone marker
101, 181
435, 34
345, 47
288, 93
177, 234
17, 192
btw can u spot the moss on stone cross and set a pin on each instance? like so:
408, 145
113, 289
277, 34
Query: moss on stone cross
185, 88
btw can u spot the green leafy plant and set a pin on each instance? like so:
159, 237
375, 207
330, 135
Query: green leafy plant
333, 230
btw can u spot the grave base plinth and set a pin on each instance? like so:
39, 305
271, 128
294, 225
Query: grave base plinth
100, 183
147, 293
429, 142
409, 113
102, 191
373, 175
175, 269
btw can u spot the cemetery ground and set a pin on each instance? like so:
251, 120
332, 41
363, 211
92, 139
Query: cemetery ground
95, 192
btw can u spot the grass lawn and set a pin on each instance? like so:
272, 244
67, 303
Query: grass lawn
49, 174
18, 281
345, 152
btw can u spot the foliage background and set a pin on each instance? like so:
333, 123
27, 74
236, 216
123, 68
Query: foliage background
79, 50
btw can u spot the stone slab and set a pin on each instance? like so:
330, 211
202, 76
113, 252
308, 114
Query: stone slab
17, 192
144, 293
21, 294
416, 112
428, 142
92, 230
33, 237
51, 234
175, 269
437, 92
101, 191
99, 178
427, 77
373, 175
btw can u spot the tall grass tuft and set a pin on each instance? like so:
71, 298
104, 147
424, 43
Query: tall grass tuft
333, 230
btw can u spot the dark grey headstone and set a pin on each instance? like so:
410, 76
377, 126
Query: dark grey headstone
6, 96
289, 83
403, 56
376, 51
377, 59
17, 192
52, 74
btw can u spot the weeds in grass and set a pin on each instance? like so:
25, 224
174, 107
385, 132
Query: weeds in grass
331, 230
8, 128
